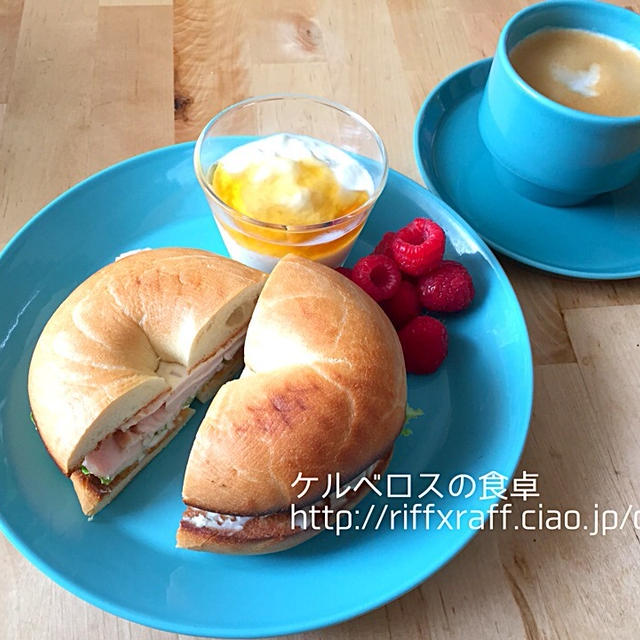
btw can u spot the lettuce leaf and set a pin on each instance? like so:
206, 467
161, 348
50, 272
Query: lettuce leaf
410, 414
103, 480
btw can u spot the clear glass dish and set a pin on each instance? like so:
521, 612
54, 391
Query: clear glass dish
258, 243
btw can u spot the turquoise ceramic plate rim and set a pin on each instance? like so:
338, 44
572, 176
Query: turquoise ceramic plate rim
425, 167
463, 537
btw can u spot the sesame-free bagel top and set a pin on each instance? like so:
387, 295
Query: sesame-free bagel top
324, 391
95, 363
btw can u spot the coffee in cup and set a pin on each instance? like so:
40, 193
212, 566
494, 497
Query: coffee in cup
581, 69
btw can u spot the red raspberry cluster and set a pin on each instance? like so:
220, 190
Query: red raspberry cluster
406, 275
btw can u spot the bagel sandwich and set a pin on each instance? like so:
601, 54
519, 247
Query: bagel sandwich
323, 392
121, 359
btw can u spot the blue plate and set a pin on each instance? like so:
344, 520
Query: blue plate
477, 409
600, 239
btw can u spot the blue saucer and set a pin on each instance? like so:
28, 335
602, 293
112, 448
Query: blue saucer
476, 414
600, 239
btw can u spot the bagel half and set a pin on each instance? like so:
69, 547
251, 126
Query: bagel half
323, 392
121, 358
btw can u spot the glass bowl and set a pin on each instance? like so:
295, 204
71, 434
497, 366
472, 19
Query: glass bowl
261, 244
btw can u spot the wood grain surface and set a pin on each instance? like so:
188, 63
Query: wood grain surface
84, 84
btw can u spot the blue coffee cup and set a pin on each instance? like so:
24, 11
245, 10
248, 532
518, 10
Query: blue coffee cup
546, 151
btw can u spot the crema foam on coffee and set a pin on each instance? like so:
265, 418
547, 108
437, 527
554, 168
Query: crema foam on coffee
581, 69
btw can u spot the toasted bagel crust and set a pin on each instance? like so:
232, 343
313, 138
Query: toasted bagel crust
326, 394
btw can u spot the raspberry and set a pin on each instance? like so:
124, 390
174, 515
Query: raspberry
345, 271
424, 344
384, 246
448, 287
378, 276
418, 247
404, 306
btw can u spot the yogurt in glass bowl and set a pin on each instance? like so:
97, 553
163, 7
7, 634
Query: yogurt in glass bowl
290, 173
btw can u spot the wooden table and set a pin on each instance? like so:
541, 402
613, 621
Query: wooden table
86, 84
